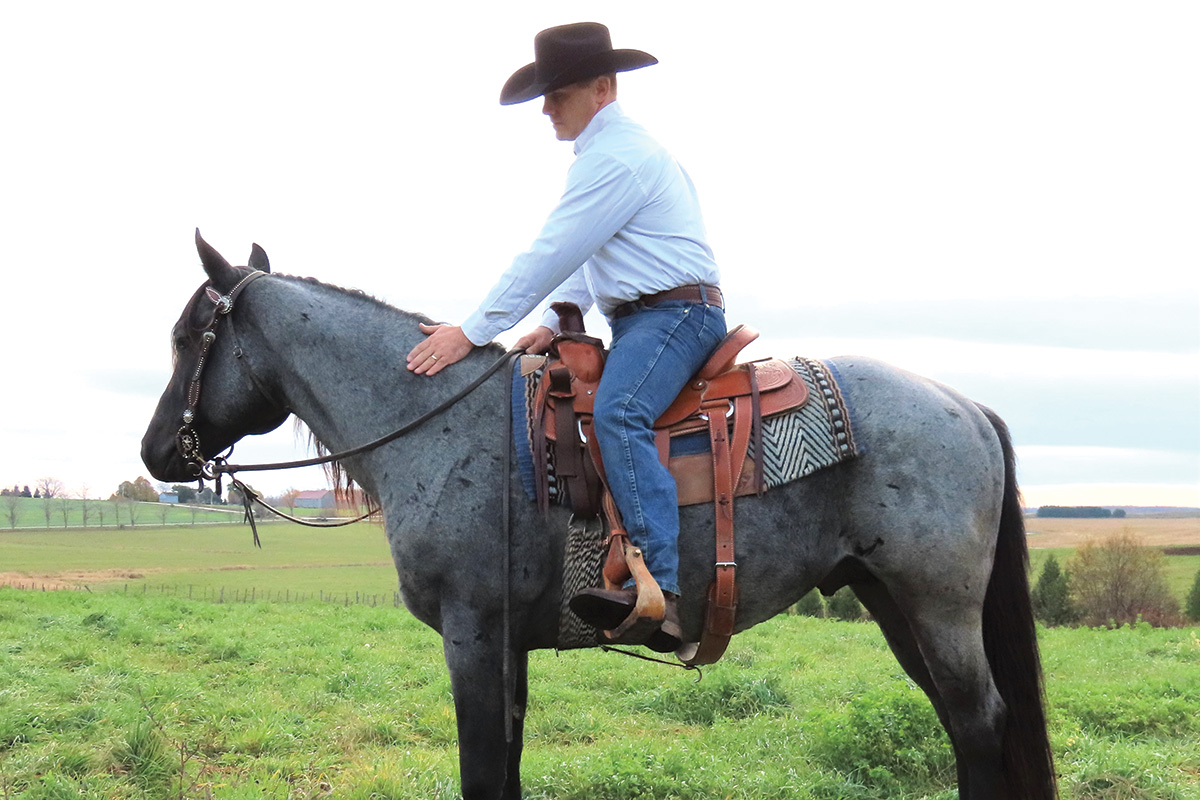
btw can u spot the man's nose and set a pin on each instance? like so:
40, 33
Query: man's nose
546, 106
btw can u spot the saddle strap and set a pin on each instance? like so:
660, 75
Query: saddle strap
722, 594
571, 465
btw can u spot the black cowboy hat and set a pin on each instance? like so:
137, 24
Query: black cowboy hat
567, 54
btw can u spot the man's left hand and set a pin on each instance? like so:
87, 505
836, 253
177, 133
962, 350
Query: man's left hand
445, 345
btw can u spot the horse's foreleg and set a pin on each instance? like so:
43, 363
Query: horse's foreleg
474, 649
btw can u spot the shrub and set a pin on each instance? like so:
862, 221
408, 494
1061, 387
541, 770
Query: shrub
844, 605
1193, 600
810, 605
1120, 582
1051, 596
887, 738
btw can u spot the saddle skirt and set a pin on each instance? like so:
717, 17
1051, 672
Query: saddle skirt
806, 429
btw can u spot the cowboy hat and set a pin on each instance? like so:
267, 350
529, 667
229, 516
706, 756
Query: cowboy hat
566, 54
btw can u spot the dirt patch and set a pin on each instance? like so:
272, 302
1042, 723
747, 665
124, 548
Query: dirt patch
1049, 532
69, 579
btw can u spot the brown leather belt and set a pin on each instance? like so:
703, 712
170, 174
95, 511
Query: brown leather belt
696, 293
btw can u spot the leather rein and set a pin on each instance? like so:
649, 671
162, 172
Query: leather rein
187, 440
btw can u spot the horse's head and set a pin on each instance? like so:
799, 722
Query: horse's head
211, 400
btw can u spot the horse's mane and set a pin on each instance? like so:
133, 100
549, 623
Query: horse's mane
346, 491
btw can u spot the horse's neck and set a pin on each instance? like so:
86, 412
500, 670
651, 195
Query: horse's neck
338, 360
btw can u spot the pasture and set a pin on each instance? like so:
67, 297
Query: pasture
131, 692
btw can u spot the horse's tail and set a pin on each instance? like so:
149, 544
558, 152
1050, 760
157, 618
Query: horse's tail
1010, 640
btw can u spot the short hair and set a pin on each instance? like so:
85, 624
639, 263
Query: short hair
612, 78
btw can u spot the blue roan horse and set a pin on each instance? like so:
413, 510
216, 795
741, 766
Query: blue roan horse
925, 526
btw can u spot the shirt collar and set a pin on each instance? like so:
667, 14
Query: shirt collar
599, 121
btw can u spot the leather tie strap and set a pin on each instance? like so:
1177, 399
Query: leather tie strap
722, 594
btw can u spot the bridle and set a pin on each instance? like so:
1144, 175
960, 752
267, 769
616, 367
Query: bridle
187, 440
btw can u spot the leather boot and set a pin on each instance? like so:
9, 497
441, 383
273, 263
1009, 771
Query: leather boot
604, 608
669, 636
608, 608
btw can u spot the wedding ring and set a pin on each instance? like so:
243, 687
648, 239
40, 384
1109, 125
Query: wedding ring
433, 358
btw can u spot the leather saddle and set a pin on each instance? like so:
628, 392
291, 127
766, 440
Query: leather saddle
724, 400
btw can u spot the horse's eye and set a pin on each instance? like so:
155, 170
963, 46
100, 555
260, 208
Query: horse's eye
180, 343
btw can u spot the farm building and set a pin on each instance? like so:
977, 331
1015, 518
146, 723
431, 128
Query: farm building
322, 498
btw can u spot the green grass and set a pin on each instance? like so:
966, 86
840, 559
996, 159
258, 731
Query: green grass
115, 696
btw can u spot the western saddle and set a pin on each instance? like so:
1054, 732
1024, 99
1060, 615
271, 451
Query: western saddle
727, 400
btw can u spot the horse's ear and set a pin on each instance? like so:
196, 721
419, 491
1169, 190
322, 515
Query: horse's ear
222, 275
258, 259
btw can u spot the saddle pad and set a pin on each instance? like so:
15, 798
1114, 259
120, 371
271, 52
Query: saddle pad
819, 434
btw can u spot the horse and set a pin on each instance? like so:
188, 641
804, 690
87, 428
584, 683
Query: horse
925, 525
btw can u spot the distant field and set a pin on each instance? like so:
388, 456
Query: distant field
292, 559
1048, 532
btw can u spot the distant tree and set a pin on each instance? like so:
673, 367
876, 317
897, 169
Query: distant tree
12, 504
46, 509
100, 513
140, 489
25, 492
5, 492
1118, 513
37, 494
64, 508
84, 506
50, 487
288, 500
1087, 512
185, 493
844, 605
1119, 581
1193, 600
207, 496
164, 509
1051, 596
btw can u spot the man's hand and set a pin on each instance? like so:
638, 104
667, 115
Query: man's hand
536, 341
446, 344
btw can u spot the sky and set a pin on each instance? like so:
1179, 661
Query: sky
1000, 196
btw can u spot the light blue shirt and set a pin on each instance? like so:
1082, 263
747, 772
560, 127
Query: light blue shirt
628, 225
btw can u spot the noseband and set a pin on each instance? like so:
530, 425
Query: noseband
187, 440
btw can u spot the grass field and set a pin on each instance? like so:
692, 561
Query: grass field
114, 696
26, 513
129, 692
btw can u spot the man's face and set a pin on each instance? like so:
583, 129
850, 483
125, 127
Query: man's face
571, 108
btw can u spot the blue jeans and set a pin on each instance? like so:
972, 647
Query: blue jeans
653, 354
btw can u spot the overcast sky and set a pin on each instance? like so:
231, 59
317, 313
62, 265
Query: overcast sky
1000, 196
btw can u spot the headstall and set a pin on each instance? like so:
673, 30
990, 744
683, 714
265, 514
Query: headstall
187, 440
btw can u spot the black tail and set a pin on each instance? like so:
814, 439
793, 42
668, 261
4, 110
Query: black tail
1010, 639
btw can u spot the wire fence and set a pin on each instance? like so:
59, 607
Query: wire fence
222, 594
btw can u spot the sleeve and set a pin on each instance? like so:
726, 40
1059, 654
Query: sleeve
602, 194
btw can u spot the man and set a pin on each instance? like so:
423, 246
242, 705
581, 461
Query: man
627, 235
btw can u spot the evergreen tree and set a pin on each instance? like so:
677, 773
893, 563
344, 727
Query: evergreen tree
1193, 600
1051, 596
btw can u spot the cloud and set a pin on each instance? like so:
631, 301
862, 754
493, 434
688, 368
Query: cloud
1159, 323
